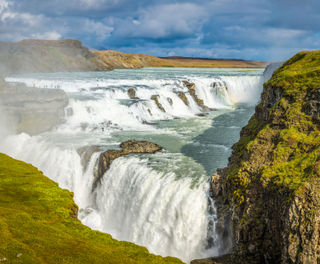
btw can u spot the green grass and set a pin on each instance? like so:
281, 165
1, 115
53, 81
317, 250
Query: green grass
282, 153
38, 220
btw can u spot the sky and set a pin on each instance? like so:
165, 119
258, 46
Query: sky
246, 29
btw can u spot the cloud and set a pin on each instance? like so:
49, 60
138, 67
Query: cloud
3, 5
247, 29
53, 35
179, 20
101, 30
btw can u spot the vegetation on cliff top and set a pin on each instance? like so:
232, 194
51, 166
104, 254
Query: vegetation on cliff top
38, 224
281, 142
121, 60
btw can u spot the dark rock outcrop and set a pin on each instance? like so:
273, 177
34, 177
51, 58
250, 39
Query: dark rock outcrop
127, 147
225, 259
132, 94
271, 187
184, 98
192, 91
32, 110
155, 98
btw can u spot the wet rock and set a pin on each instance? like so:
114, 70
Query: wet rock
192, 91
225, 259
202, 114
132, 94
184, 98
127, 147
156, 99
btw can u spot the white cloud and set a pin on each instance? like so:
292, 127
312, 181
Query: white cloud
94, 4
101, 30
3, 5
52, 35
165, 21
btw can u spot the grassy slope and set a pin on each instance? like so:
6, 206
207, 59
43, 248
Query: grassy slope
288, 143
38, 220
115, 59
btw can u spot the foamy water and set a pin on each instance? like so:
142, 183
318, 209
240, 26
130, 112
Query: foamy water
159, 201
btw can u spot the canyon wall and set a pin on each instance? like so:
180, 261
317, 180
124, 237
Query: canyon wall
269, 194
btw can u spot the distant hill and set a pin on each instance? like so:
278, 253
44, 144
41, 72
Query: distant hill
32, 55
117, 59
47, 56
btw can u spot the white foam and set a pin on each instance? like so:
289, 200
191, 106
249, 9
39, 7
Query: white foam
133, 202
136, 203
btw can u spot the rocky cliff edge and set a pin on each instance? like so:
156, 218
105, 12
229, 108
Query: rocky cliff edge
269, 195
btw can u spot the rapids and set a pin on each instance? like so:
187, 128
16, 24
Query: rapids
159, 201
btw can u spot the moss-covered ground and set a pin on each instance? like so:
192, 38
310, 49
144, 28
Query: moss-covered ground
38, 224
284, 150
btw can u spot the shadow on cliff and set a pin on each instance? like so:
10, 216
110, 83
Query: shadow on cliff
212, 148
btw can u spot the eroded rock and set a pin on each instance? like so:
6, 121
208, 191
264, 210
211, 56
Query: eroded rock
156, 99
192, 91
127, 147
132, 94
184, 98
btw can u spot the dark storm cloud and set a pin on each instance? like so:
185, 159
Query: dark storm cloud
264, 29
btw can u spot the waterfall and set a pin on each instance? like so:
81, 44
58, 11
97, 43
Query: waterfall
136, 200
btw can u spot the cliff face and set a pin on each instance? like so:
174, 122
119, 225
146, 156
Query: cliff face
270, 191
31, 110
47, 56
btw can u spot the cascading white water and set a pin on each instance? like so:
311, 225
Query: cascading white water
135, 200
148, 208
107, 98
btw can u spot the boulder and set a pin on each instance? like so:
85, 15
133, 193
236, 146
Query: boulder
127, 147
132, 94
184, 98
192, 91
156, 99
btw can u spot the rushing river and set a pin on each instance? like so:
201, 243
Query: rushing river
157, 200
